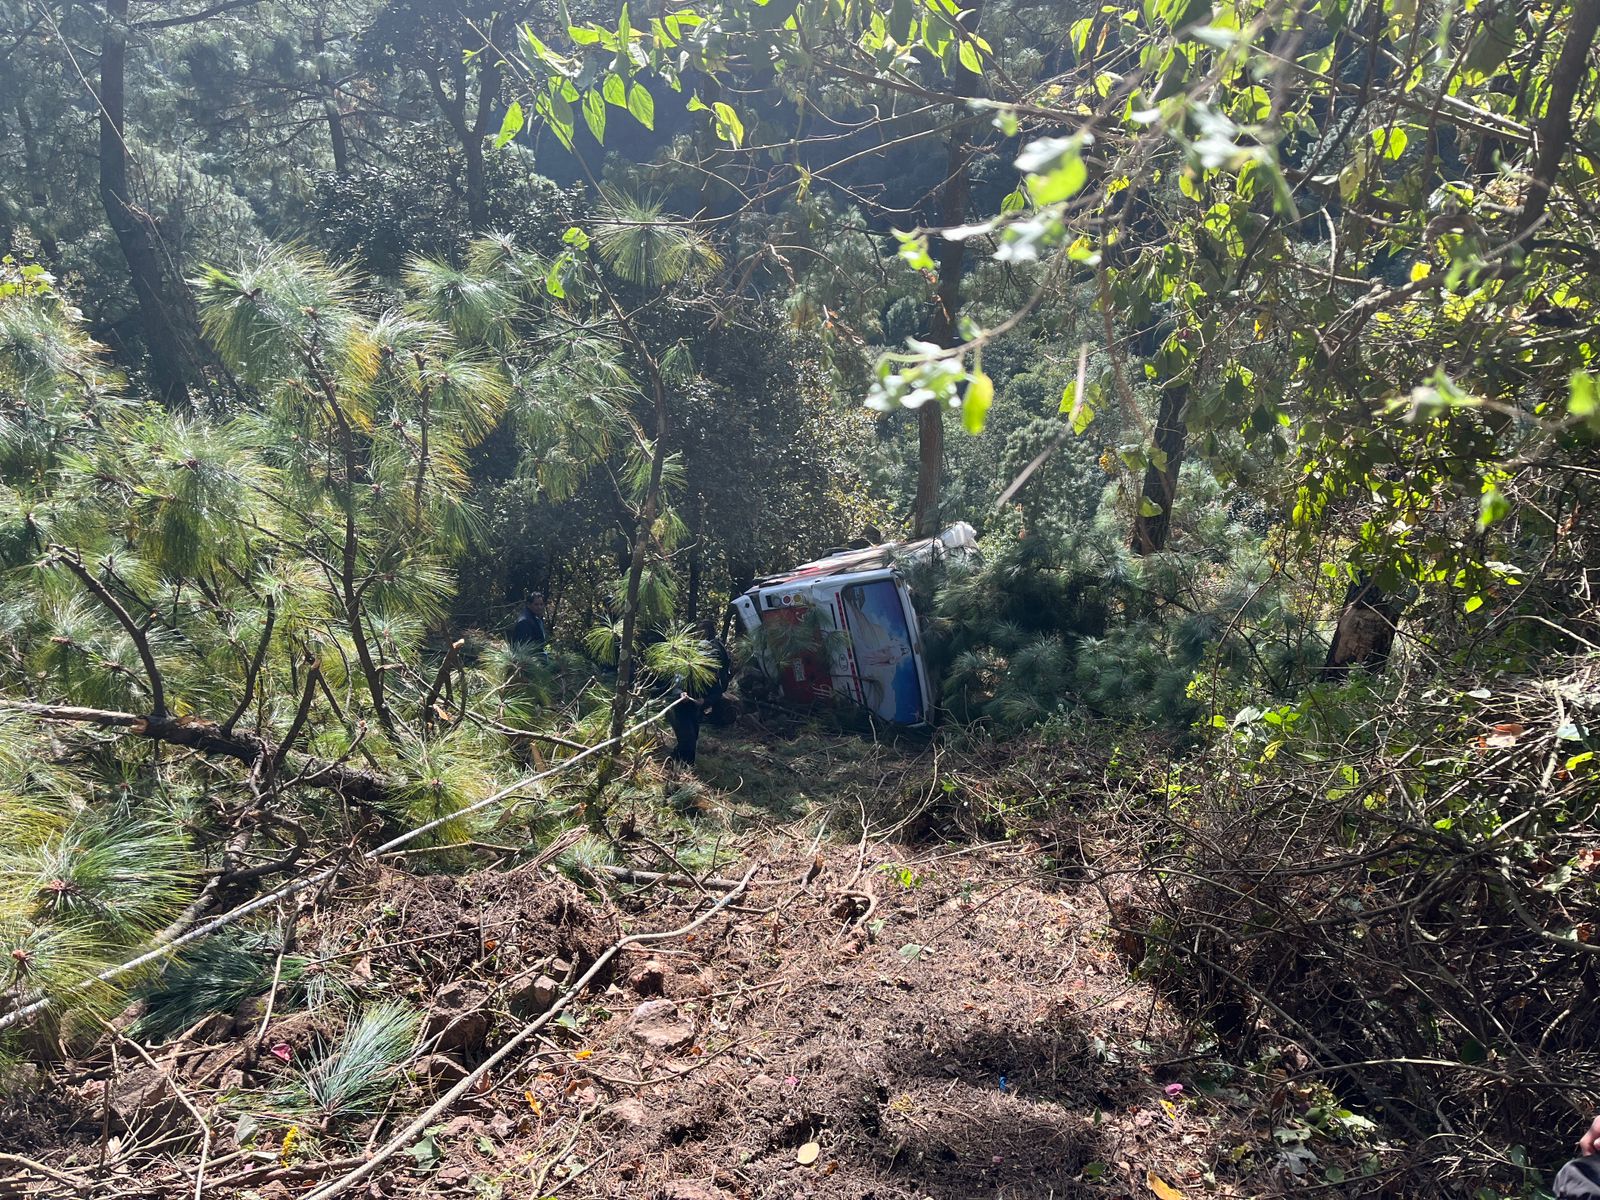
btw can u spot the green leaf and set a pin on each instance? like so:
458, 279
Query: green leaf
615, 91
642, 105
1080, 35
594, 114
977, 402
576, 238
1081, 408
425, 1152
583, 35
1473, 604
914, 251
1149, 508
1494, 42
1060, 184
557, 112
968, 55
1583, 396
1390, 142
540, 51
510, 125
729, 127
552, 278
1492, 506
900, 16
1045, 153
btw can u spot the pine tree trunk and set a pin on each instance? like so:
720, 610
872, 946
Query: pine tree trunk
336, 138
39, 197
942, 321
163, 312
644, 529
696, 561
330, 107
1365, 633
477, 193
1161, 475
488, 99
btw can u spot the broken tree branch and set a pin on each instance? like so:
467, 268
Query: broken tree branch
40, 1003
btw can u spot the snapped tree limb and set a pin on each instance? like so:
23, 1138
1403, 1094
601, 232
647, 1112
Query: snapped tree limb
365, 788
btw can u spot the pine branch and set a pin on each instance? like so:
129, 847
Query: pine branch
313, 673
439, 680
141, 641
364, 788
254, 670
216, 10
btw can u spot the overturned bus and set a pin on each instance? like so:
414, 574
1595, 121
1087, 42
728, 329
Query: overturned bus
843, 627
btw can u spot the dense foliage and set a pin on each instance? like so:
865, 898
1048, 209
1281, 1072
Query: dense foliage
1265, 338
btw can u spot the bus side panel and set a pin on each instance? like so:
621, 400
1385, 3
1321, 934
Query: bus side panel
917, 653
885, 660
805, 677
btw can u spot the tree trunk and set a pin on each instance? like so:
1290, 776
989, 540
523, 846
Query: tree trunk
942, 321
330, 107
1365, 633
488, 97
1161, 475
477, 193
644, 529
696, 554
1555, 130
454, 107
163, 312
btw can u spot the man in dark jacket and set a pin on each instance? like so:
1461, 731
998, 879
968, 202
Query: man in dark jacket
529, 634
695, 701
1580, 1178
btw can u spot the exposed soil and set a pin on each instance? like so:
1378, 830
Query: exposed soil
966, 1046
872, 1020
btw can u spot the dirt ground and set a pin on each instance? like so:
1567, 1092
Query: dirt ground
967, 1036
874, 1018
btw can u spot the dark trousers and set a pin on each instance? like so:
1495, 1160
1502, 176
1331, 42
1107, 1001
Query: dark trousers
1579, 1180
684, 718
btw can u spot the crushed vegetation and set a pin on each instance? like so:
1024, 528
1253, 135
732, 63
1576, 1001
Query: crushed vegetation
948, 976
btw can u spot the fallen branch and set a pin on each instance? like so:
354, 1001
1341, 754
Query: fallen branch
316, 879
631, 875
39, 1168
269, 1172
364, 788
411, 1132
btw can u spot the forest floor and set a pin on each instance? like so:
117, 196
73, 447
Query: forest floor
891, 1009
